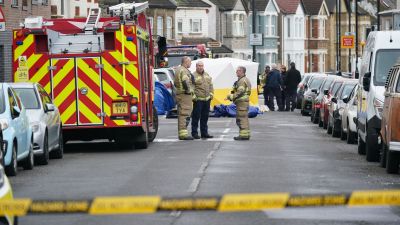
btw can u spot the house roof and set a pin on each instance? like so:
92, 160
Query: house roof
312, 7
288, 6
215, 50
228, 5
192, 3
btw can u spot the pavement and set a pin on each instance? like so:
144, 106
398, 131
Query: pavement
286, 153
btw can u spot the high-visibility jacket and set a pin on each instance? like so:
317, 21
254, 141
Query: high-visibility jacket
183, 81
241, 90
203, 86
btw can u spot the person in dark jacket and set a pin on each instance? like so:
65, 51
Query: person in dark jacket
293, 79
283, 77
273, 87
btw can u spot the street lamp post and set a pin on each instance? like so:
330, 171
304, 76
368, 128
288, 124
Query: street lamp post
253, 6
356, 74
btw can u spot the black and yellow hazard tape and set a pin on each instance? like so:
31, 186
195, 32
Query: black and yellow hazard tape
225, 203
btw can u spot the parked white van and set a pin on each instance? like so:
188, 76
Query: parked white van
381, 52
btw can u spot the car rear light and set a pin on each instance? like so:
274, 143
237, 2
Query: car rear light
318, 105
134, 117
134, 109
134, 101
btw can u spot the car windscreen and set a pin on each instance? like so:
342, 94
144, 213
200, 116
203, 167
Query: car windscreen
384, 60
162, 77
327, 84
2, 100
316, 83
306, 79
335, 88
171, 73
28, 97
347, 89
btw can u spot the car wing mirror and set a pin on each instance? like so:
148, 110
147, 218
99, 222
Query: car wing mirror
50, 107
326, 92
334, 100
345, 99
314, 91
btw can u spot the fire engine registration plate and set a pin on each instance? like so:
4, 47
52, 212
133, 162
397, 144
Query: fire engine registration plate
120, 108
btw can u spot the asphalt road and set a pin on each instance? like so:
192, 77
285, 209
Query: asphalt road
285, 154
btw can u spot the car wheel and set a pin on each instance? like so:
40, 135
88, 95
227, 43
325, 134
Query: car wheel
361, 146
343, 135
383, 155
312, 117
152, 135
329, 128
350, 135
320, 122
335, 132
304, 113
392, 162
371, 147
315, 118
29, 162
12, 169
58, 153
43, 159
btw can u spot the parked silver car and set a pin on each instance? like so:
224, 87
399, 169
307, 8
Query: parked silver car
45, 120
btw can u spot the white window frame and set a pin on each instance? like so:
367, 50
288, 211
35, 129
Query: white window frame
296, 27
169, 27
267, 25
193, 22
179, 29
273, 25
238, 24
301, 27
160, 26
14, 2
321, 26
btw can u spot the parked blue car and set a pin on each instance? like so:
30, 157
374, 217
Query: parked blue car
17, 133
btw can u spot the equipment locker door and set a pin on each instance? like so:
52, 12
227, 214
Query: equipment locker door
88, 80
64, 89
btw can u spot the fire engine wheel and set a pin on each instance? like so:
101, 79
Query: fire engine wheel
152, 135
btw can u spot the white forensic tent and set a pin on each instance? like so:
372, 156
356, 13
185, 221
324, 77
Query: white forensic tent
223, 73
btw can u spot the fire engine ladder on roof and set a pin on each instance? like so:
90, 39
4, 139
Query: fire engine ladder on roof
92, 20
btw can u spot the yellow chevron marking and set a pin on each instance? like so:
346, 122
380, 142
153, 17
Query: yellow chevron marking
129, 45
118, 55
92, 95
33, 59
22, 48
60, 75
93, 118
47, 88
133, 70
68, 112
38, 76
65, 93
93, 75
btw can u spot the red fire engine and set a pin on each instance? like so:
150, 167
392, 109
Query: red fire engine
98, 72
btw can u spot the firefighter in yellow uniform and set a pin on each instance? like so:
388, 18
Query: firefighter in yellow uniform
204, 91
240, 95
184, 81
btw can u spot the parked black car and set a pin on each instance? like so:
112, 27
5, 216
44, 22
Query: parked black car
310, 93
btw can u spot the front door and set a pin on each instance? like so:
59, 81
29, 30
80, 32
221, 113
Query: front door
88, 75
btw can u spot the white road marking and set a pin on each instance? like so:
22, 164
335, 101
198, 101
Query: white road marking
203, 168
194, 185
175, 213
211, 154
